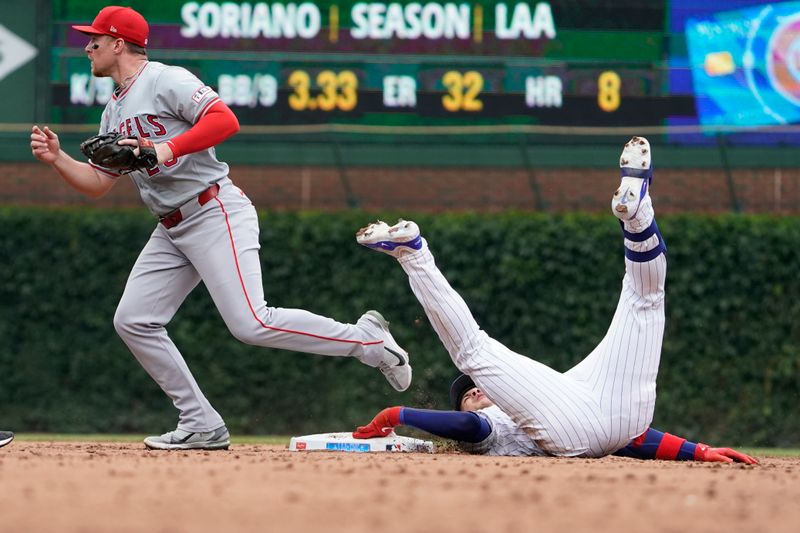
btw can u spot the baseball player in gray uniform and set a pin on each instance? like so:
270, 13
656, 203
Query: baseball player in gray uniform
5, 438
508, 404
208, 230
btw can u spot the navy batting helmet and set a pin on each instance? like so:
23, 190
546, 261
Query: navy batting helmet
458, 388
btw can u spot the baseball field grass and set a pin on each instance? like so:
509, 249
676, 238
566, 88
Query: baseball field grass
99, 483
69, 437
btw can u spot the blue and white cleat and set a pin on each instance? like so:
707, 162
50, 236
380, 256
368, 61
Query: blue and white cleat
397, 240
636, 169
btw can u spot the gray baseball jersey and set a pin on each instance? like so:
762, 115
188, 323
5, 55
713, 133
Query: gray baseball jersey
216, 240
161, 102
593, 409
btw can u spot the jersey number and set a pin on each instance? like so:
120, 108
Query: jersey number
155, 170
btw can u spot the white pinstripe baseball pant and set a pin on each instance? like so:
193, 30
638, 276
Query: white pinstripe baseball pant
219, 245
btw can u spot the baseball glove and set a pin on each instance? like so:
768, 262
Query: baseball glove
105, 150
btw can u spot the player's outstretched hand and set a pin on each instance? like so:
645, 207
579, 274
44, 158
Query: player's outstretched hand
382, 425
45, 145
722, 455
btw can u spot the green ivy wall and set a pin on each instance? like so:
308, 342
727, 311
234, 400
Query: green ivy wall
544, 285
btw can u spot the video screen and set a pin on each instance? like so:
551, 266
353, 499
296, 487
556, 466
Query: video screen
742, 64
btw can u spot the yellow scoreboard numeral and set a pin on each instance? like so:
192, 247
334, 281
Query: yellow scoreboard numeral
348, 85
608, 85
336, 91
300, 81
452, 81
326, 80
462, 91
473, 81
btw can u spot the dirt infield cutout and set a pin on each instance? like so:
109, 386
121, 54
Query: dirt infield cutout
121, 487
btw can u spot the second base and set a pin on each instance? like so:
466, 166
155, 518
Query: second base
344, 442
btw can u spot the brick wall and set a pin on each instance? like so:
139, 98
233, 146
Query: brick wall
759, 190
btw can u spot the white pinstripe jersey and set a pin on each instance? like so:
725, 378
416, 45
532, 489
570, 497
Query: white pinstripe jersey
506, 438
160, 103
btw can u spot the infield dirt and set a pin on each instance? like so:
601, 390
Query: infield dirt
88, 487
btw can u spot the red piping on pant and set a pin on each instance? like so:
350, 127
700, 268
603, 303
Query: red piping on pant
249, 303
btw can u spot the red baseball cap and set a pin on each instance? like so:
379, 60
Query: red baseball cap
118, 21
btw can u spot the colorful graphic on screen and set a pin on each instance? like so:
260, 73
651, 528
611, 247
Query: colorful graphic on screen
746, 65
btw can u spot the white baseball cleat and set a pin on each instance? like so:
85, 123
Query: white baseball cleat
219, 439
394, 364
397, 240
636, 168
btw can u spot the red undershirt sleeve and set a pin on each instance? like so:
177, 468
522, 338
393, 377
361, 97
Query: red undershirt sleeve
217, 124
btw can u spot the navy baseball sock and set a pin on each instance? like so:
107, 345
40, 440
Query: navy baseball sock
643, 240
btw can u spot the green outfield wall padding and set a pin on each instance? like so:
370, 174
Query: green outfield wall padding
411, 151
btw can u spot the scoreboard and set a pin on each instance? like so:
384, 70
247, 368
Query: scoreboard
558, 62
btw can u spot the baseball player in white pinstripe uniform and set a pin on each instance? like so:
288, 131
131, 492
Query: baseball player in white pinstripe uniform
509, 404
208, 231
